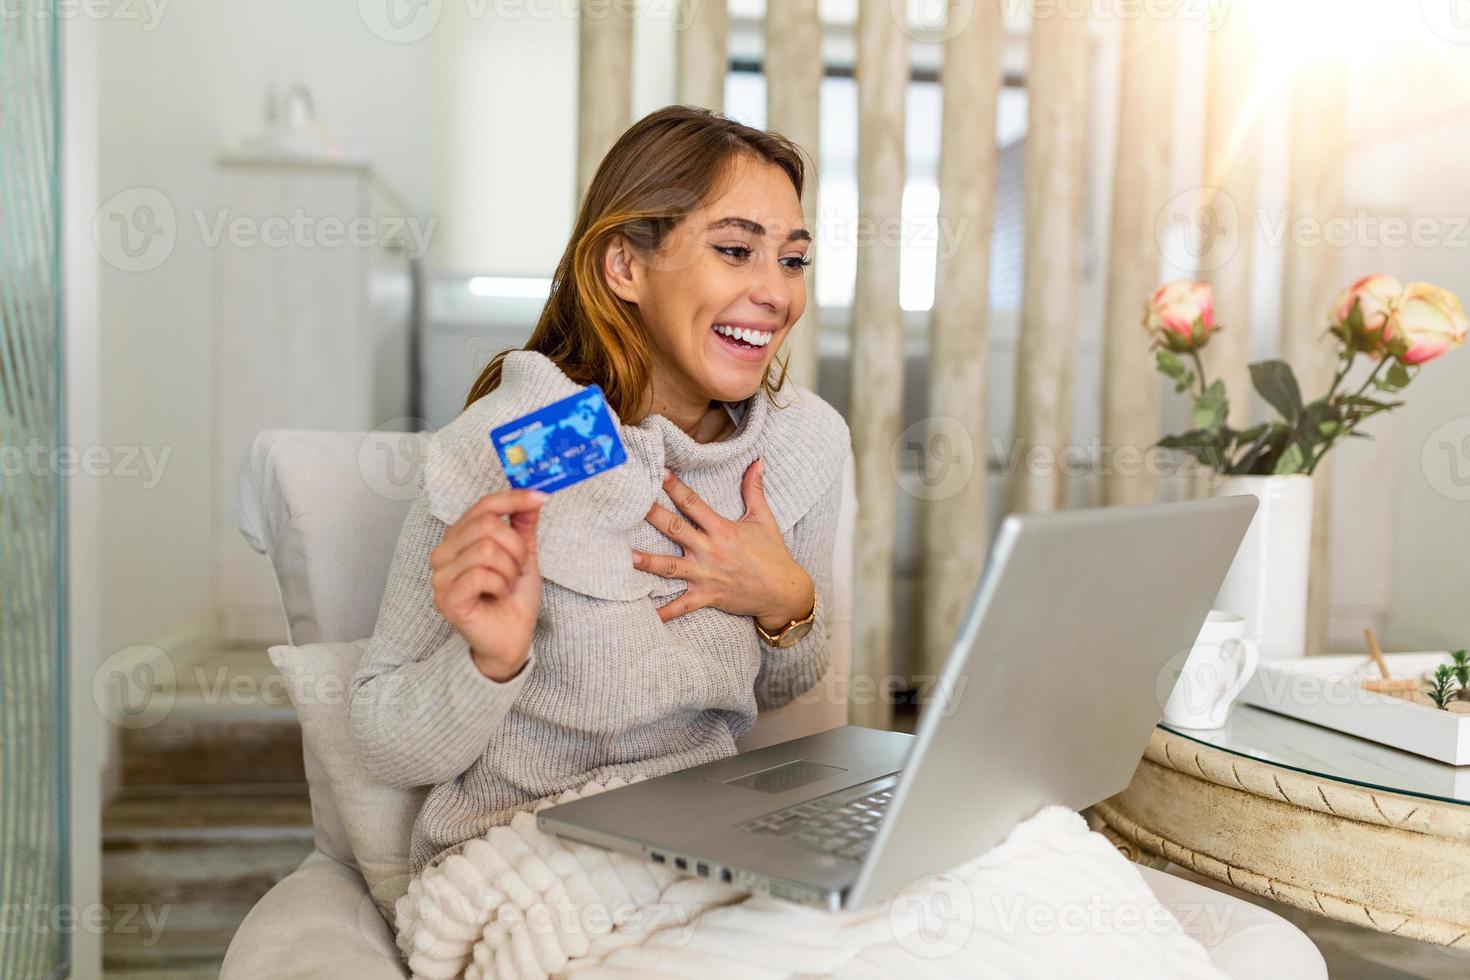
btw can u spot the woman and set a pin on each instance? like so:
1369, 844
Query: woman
526, 645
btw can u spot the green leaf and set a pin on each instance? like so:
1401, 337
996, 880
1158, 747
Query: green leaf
1253, 433
1354, 327
1211, 407
1197, 333
1291, 461
1261, 438
1398, 375
1329, 428
1277, 384
1193, 439
1169, 365
1207, 447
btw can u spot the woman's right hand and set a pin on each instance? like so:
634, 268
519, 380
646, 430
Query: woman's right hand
486, 581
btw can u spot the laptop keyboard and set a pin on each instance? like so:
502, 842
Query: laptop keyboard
841, 823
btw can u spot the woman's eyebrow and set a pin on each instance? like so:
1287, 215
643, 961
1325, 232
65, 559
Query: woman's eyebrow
756, 228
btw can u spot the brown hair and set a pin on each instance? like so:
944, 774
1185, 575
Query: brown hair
656, 173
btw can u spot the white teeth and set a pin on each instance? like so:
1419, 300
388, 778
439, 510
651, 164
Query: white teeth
758, 338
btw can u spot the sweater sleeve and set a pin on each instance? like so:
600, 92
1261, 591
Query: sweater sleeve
421, 711
786, 673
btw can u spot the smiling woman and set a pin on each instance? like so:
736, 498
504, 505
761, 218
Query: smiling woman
636, 622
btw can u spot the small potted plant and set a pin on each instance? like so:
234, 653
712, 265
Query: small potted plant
1461, 668
1441, 686
1396, 328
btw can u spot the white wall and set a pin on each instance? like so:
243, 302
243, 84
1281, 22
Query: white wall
81, 324
171, 96
1411, 492
505, 122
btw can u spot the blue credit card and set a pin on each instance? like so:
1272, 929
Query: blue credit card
560, 445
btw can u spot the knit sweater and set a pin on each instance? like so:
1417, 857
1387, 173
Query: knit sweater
608, 689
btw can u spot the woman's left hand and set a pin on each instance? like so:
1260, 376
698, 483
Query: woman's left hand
741, 567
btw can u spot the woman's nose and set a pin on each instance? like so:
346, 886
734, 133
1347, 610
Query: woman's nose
773, 288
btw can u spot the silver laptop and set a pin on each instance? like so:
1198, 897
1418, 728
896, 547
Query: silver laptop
1048, 696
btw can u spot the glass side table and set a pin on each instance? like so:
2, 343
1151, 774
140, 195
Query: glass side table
1323, 821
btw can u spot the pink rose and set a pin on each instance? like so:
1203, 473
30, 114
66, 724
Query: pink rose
1377, 296
1430, 320
1174, 309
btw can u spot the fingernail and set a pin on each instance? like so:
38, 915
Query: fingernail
540, 496
668, 473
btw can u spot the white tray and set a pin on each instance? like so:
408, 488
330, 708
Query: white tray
1326, 691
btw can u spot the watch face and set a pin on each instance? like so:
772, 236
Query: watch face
794, 634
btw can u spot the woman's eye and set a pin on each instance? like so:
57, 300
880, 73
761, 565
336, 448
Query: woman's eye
742, 253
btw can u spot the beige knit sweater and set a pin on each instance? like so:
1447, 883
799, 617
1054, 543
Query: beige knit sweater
608, 689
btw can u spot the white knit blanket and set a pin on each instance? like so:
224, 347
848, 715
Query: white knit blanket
1052, 900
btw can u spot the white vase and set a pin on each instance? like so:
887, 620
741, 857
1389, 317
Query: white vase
1267, 582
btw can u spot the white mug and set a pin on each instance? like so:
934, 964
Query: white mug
1213, 674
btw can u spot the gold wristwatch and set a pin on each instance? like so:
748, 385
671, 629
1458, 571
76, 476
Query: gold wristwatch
790, 634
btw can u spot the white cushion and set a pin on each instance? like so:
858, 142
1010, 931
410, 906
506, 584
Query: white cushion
317, 923
1245, 941
375, 820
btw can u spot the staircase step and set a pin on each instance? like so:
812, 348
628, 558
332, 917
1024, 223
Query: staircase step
229, 721
189, 867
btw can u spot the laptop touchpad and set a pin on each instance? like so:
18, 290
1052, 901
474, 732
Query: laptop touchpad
787, 776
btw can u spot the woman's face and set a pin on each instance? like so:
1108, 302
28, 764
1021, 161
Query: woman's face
736, 263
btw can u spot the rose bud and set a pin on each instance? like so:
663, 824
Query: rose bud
1430, 321
1377, 296
1181, 314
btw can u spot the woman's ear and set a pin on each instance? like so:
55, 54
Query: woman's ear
618, 268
